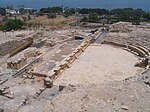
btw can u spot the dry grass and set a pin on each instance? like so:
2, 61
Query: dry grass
57, 21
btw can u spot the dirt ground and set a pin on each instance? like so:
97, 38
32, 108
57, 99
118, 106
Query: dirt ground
99, 64
58, 20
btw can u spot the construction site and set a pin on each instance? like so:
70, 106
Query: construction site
91, 68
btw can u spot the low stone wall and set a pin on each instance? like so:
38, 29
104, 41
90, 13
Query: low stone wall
114, 44
17, 64
139, 50
21, 47
21, 59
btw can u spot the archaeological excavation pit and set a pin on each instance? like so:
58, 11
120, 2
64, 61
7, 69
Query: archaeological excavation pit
100, 64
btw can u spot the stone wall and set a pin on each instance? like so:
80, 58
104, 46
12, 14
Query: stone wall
22, 58
19, 63
138, 50
22, 46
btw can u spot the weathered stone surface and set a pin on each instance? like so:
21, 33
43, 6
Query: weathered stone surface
124, 107
48, 82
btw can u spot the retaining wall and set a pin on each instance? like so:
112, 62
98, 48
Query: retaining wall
21, 47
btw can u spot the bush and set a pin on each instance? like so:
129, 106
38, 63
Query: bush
51, 16
84, 19
13, 24
1, 27
2, 11
66, 15
93, 17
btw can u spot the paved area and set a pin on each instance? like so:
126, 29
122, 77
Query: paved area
99, 64
51, 60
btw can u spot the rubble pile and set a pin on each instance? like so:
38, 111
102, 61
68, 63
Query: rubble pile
134, 35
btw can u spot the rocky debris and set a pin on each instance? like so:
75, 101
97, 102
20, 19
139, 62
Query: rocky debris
24, 76
1, 110
48, 82
38, 93
145, 78
50, 43
120, 27
143, 63
137, 36
25, 101
147, 82
78, 37
61, 87
10, 95
4, 91
28, 75
124, 107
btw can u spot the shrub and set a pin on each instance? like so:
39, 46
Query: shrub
13, 24
51, 16
93, 17
84, 19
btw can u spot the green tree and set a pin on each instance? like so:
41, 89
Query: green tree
138, 14
93, 17
13, 24
2, 11
95, 10
69, 11
56, 10
128, 14
147, 16
84, 19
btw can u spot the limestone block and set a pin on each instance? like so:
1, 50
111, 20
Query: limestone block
48, 82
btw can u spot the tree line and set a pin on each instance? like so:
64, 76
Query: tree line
124, 14
96, 14
85, 14
114, 15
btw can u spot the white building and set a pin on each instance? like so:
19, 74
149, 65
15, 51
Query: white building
12, 12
